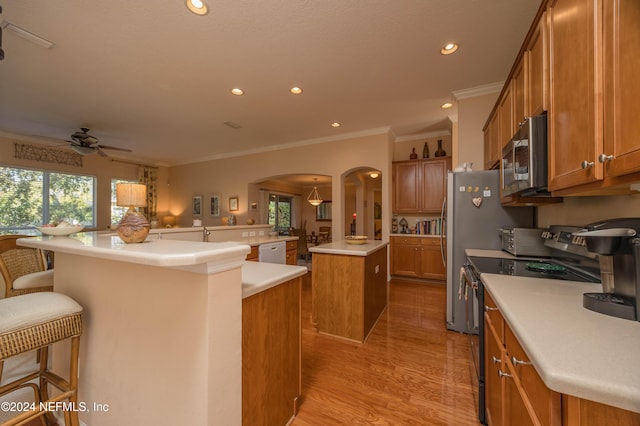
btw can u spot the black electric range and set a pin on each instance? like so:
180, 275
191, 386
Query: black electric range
534, 268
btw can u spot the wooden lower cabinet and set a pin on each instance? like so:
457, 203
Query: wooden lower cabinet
292, 252
418, 257
253, 255
516, 395
271, 353
349, 293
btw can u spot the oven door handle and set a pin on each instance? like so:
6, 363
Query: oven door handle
470, 276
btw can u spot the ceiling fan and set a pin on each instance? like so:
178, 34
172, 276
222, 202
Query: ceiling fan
84, 144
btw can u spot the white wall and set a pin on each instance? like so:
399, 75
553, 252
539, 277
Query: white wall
473, 112
230, 176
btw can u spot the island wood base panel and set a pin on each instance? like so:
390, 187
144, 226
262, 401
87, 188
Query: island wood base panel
349, 293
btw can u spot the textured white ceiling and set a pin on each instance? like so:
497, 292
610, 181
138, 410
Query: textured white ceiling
153, 77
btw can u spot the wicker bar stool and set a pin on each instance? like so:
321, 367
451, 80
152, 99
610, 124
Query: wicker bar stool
33, 322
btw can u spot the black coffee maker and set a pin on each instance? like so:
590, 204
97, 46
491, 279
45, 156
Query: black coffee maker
617, 243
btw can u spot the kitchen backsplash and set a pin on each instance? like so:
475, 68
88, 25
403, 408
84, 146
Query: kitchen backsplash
584, 210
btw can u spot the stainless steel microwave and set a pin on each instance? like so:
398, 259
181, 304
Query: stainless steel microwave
524, 159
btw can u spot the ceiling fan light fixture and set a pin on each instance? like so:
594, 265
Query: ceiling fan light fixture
198, 7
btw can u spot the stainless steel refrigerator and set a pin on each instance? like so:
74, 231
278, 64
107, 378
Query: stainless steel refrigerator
473, 216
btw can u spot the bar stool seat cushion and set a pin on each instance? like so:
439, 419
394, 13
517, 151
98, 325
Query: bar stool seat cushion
34, 320
35, 279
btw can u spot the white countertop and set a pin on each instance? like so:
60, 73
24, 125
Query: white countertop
574, 350
260, 276
164, 253
342, 247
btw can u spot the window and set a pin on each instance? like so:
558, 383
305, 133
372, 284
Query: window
35, 197
280, 212
117, 212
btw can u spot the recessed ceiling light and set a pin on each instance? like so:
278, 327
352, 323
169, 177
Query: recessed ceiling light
446, 105
237, 91
296, 90
197, 6
335, 124
374, 175
449, 48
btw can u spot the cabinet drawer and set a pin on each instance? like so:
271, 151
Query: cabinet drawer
545, 402
495, 316
292, 245
407, 241
430, 241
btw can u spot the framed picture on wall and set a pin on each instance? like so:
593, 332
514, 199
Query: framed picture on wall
214, 204
197, 205
233, 203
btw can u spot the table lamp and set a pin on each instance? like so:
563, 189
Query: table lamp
134, 227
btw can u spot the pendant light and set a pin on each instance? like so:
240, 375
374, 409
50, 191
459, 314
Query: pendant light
314, 198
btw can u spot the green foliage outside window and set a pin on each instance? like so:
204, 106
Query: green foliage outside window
36, 197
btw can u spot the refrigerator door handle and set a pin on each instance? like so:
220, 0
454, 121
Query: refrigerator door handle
443, 221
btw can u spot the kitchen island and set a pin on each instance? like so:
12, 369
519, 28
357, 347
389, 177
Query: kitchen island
162, 340
349, 287
589, 358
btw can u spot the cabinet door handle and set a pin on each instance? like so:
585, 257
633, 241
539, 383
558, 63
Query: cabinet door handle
495, 360
515, 361
488, 308
503, 374
586, 164
604, 157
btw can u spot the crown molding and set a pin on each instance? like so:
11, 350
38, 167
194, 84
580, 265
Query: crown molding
478, 91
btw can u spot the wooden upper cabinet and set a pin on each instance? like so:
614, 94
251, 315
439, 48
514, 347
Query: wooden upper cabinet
406, 187
419, 186
575, 126
506, 129
519, 87
434, 177
621, 87
537, 54
492, 149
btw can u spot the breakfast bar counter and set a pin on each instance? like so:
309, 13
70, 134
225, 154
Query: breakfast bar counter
162, 338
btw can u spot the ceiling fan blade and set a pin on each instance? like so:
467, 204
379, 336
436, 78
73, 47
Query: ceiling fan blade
101, 152
115, 148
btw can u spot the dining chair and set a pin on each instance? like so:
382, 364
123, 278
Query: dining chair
325, 234
24, 269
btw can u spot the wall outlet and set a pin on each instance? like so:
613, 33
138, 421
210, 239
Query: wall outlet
245, 234
252, 233
261, 233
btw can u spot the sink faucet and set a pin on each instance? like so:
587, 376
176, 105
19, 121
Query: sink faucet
205, 235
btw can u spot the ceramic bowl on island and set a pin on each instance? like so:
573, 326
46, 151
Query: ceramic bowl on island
60, 231
356, 239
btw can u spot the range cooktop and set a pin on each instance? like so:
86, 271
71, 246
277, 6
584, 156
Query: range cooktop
536, 268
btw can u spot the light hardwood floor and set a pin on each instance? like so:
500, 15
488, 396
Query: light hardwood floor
411, 370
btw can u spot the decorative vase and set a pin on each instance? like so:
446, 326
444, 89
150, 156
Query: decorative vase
440, 152
425, 151
413, 155
133, 228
